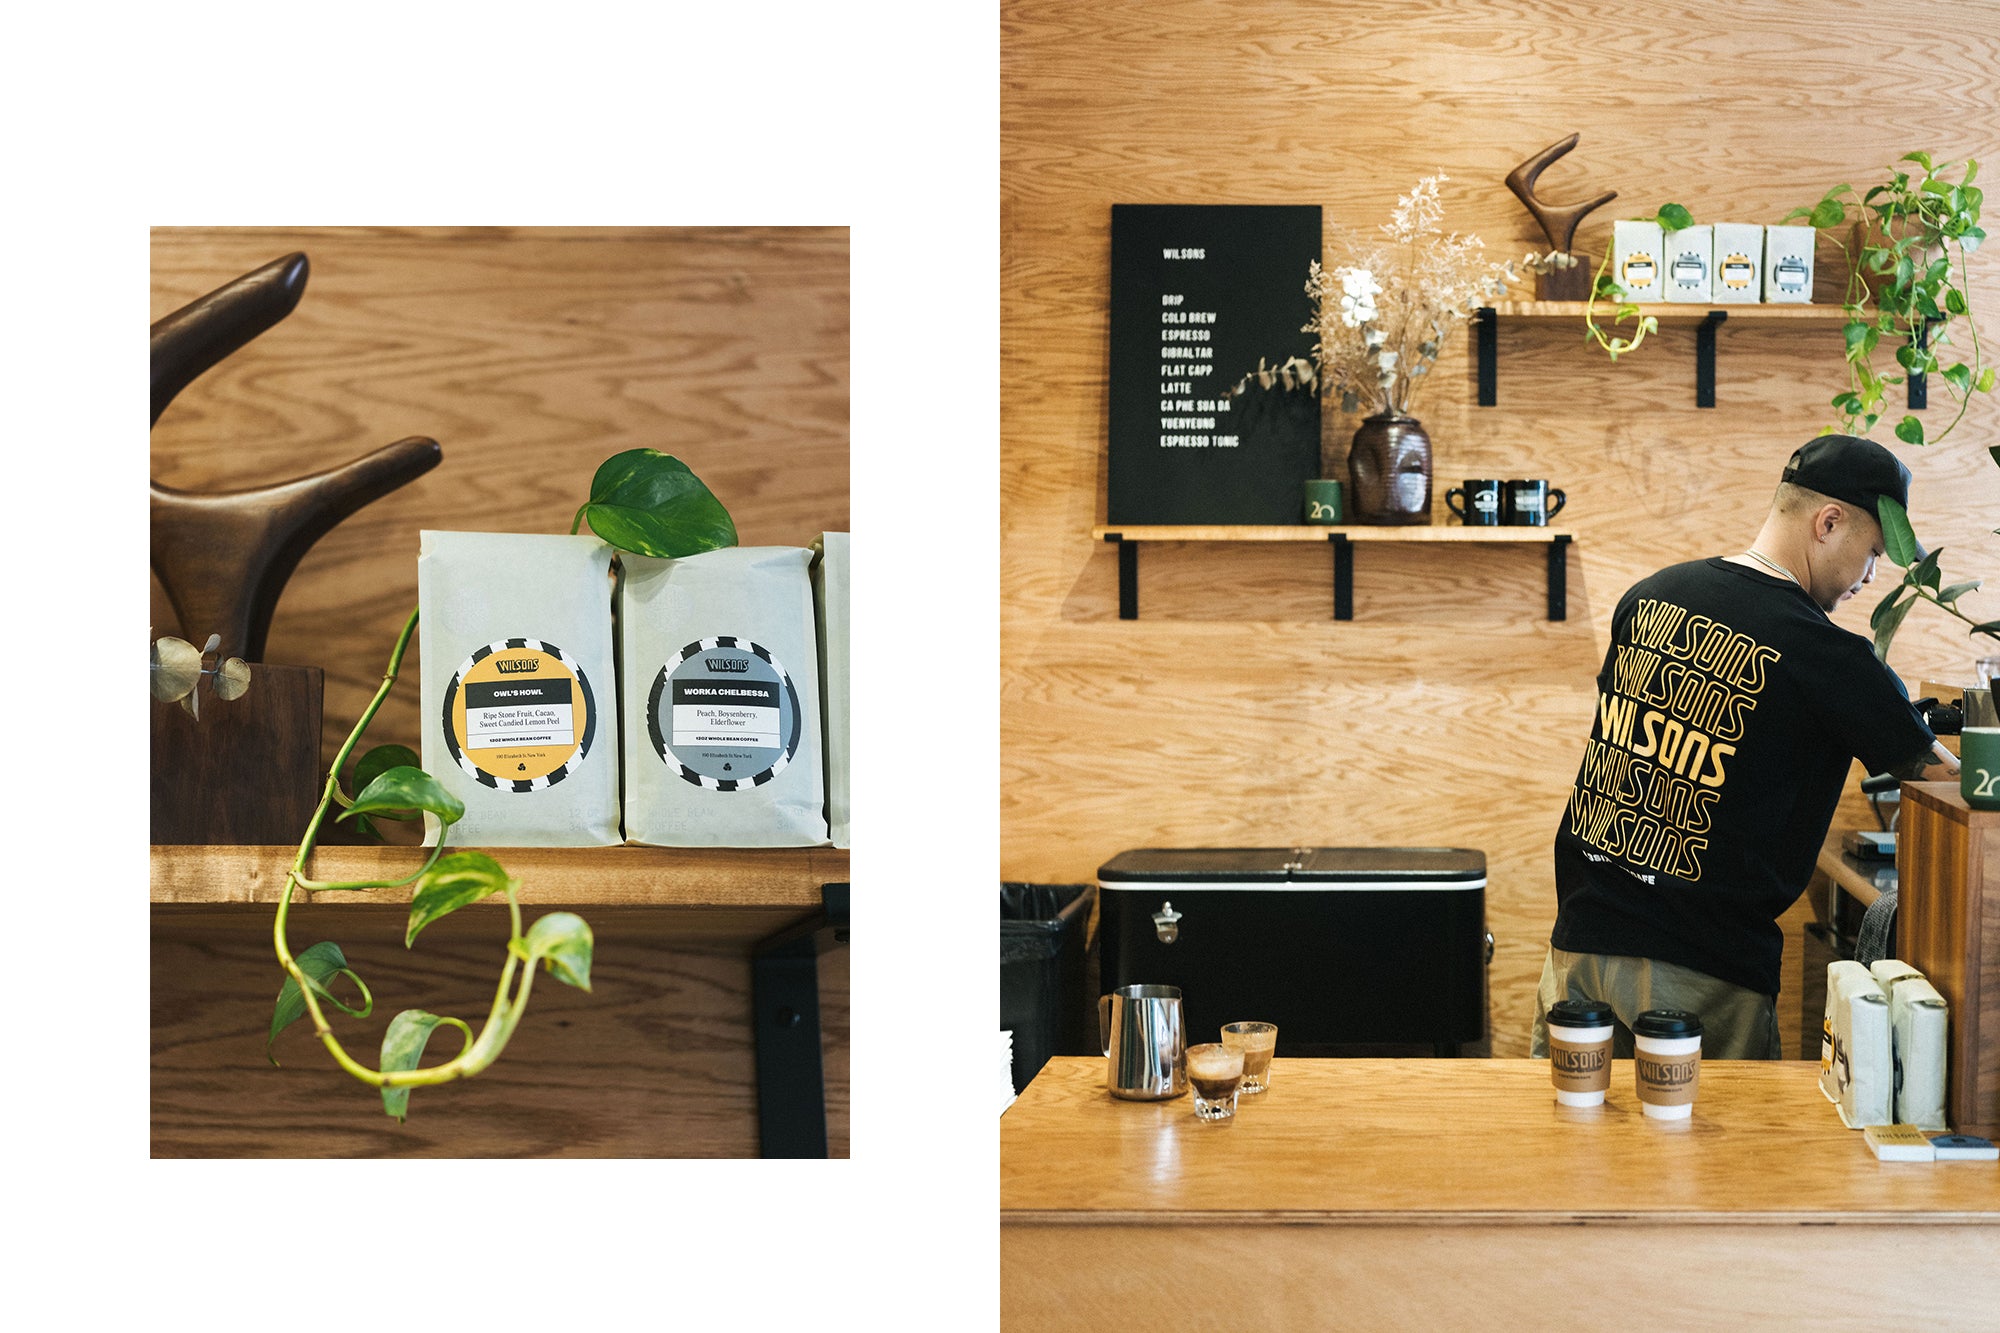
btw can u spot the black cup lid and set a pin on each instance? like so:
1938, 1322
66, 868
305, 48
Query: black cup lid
1581, 1014
1667, 1023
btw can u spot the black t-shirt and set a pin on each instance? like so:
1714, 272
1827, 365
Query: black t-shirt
1727, 711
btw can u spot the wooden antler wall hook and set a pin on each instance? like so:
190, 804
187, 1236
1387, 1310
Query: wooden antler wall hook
1559, 223
224, 557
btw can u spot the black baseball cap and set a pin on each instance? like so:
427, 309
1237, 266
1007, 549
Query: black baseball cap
1850, 469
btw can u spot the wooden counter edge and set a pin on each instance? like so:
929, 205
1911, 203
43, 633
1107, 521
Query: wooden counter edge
1042, 1217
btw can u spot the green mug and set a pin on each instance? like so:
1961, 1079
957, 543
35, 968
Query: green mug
1979, 767
1322, 501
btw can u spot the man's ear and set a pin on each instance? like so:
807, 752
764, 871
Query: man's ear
1826, 519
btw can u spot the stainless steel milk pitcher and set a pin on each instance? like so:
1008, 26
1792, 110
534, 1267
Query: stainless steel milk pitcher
1145, 1042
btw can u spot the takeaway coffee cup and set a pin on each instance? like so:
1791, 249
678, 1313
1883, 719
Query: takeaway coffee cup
1580, 1050
1979, 767
1667, 1062
1531, 504
1482, 503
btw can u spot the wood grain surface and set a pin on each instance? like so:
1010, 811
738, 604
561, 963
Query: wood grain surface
531, 355
655, 1061
1948, 926
696, 878
1516, 1277
1235, 712
1362, 1142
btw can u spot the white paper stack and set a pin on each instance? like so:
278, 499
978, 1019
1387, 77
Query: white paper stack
1689, 259
1636, 263
1856, 1065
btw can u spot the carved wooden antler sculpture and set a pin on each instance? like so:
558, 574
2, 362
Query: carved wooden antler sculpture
1559, 223
223, 558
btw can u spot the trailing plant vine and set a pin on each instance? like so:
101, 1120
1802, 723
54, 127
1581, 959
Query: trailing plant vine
1672, 218
641, 501
1912, 232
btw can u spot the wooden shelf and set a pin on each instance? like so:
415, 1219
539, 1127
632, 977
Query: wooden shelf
721, 969
693, 878
1707, 316
1750, 312
1342, 539
1307, 533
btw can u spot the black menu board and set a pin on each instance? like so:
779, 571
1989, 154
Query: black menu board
1198, 293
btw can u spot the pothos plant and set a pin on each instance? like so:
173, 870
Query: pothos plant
641, 501
1911, 236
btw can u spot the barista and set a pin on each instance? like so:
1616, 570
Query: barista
1729, 706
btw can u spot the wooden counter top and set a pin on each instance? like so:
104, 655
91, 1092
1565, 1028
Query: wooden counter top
1464, 1141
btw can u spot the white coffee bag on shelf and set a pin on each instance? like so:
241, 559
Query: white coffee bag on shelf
721, 705
1636, 260
1788, 264
519, 692
1857, 1071
1739, 263
1689, 256
830, 575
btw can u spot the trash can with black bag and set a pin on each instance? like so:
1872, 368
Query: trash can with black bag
1044, 983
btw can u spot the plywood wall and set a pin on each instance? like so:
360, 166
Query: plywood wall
530, 355
1449, 711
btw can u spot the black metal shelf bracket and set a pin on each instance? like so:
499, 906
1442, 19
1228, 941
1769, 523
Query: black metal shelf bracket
1704, 360
1343, 576
784, 997
1486, 322
1559, 578
1128, 575
1919, 383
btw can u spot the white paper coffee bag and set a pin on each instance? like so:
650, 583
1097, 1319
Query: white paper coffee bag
830, 575
519, 693
1788, 264
1636, 261
1857, 1072
1689, 256
1739, 263
1917, 1042
721, 708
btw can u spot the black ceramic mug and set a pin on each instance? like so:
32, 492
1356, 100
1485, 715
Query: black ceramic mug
1482, 503
1531, 504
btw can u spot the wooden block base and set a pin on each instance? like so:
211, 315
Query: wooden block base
248, 771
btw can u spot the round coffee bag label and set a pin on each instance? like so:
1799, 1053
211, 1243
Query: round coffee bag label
724, 714
519, 715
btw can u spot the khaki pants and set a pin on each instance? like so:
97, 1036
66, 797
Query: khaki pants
1736, 1024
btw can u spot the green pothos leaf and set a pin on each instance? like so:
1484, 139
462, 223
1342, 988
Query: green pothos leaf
456, 880
403, 1047
318, 963
406, 788
650, 503
379, 761
562, 941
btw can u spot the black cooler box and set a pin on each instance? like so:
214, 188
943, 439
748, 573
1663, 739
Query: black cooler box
1338, 946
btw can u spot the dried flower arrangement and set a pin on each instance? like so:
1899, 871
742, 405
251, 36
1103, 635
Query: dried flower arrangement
1383, 315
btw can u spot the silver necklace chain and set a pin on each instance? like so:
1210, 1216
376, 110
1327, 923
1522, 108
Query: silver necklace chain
1773, 566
